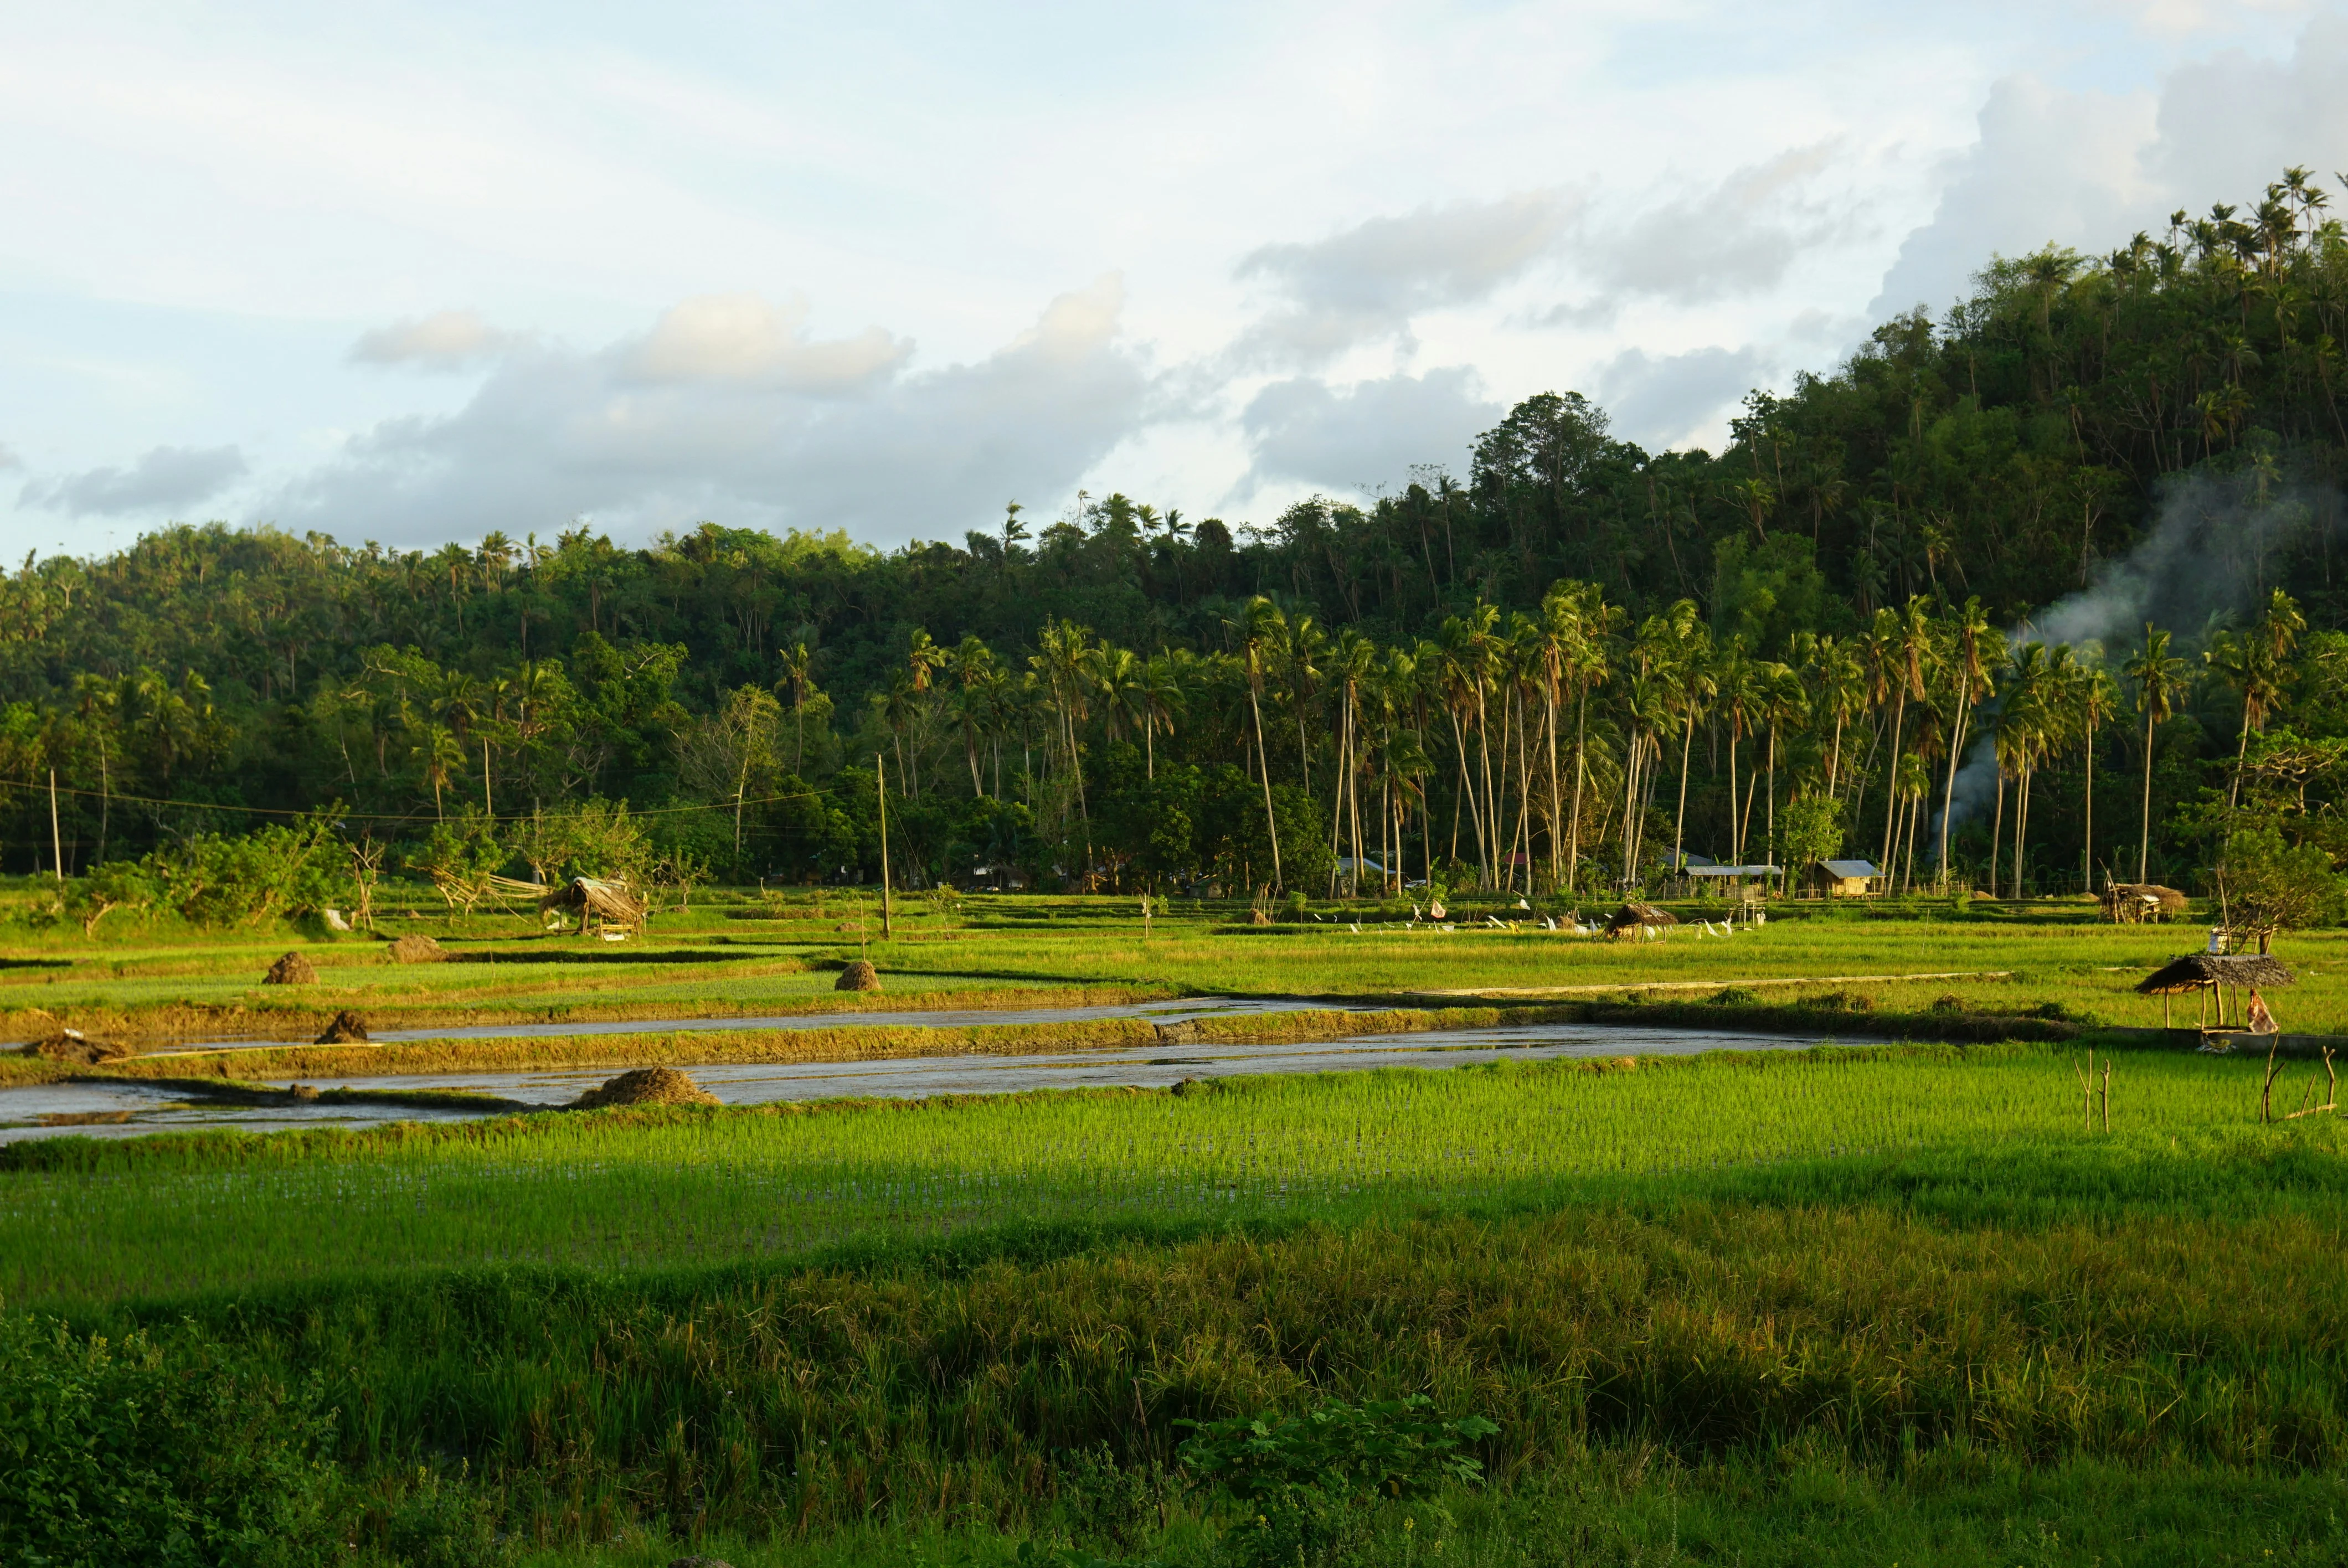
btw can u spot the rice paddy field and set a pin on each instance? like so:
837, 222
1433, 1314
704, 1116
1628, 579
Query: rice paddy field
1940, 1301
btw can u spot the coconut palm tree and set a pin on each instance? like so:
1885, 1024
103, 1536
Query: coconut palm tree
2160, 679
1261, 627
975, 670
1162, 695
1975, 648
798, 674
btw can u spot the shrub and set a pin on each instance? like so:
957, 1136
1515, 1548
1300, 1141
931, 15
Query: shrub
154, 1452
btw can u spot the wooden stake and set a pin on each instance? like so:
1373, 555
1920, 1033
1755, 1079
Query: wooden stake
2107, 1095
2086, 1096
56, 850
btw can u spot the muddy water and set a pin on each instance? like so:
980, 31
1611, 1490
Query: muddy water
959, 1018
150, 1109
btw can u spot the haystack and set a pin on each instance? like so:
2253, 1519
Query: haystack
1638, 917
292, 969
605, 903
348, 1028
70, 1045
859, 976
1259, 916
2136, 903
415, 950
646, 1086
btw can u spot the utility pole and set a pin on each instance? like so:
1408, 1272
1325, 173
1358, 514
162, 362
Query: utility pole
56, 849
881, 788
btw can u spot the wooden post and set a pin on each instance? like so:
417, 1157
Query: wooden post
2107, 1095
2266, 1089
56, 850
2086, 1096
880, 785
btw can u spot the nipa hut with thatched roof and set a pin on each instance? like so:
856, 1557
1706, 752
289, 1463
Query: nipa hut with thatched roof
2137, 903
1639, 920
2210, 974
608, 904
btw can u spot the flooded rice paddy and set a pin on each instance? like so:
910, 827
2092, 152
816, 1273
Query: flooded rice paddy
127, 1108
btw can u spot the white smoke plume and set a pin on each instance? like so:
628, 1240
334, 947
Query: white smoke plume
2216, 547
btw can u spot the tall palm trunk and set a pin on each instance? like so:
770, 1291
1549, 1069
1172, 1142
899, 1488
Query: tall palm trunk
1997, 830
1555, 846
1679, 823
1271, 822
1736, 843
2021, 824
1899, 718
1580, 739
2144, 844
1949, 790
2087, 829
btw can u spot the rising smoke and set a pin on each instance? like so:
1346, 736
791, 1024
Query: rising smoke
2216, 547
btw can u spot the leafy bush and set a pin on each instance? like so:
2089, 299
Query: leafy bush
153, 1452
216, 879
1389, 1448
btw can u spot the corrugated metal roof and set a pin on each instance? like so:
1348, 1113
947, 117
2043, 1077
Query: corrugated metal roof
1850, 868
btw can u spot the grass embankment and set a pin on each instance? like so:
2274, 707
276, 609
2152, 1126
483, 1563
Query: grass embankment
2133, 1352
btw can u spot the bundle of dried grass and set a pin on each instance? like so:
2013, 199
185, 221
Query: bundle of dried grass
417, 949
859, 976
646, 1086
348, 1028
70, 1045
292, 969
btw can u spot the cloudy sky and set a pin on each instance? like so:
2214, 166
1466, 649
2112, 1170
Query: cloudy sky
412, 272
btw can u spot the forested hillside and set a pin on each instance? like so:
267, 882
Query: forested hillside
1573, 657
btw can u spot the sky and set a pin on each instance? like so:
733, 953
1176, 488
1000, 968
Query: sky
412, 274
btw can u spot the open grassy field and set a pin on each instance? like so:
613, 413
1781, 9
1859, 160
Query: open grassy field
740, 959
1850, 1305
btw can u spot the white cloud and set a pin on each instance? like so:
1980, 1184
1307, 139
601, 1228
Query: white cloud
1663, 400
1368, 435
1368, 282
1738, 236
2086, 169
749, 422
446, 340
165, 478
742, 337
9, 458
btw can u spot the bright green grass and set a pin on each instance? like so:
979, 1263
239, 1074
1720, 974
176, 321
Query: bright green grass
175, 1215
2063, 959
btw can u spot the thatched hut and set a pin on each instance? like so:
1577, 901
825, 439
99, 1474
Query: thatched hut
2142, 903
1639, 920
607, 903
2210, 974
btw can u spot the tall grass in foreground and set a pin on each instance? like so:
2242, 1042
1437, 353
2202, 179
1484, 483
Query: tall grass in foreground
175, 1215
1803, 1335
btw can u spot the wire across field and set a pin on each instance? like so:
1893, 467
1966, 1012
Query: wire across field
210, 1213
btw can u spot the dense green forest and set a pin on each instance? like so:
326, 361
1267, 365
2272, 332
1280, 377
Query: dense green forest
2075, 536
